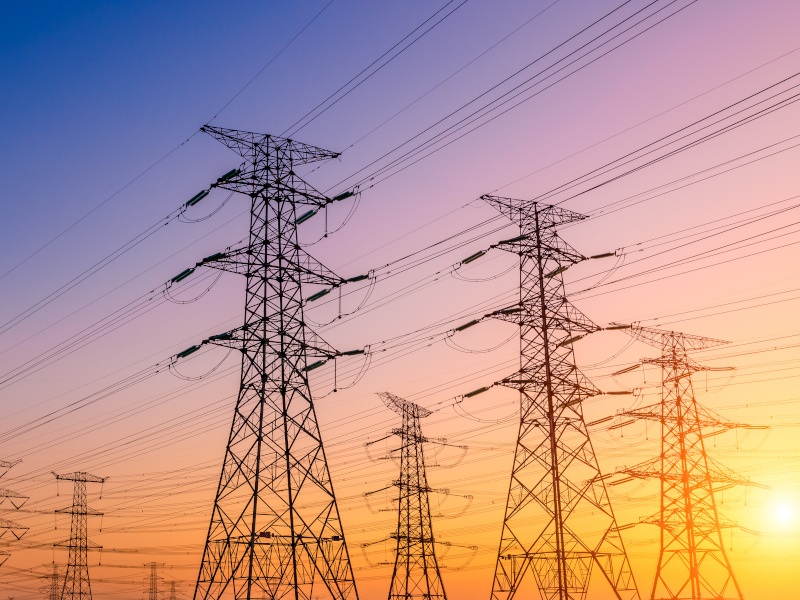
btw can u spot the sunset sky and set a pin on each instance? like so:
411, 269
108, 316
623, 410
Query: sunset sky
670, 123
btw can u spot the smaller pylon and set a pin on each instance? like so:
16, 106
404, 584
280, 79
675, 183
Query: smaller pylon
52, 587
16, 500
173, 590
76, 579
153, 579
416, 573
692, 562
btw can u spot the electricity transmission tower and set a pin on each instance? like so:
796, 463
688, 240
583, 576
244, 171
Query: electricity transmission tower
53, 589
275, 528
416, 571
16, 500
692, 562
558, 522
76, 579
153, 579
173, 592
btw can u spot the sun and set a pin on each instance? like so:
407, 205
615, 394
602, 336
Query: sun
783, 513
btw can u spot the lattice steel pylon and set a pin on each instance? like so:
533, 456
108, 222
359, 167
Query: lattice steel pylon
17, 500
275, 529
52, 588
416, 572
558, 522
152, 580
76, 578
692, 562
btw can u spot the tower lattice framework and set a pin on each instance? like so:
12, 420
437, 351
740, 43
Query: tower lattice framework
275, 529
559, 525
16, 500
692, 562
52, 588
152, 580
416, 572
76, 584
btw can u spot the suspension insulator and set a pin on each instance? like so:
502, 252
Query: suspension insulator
473, 257
197, 197
182, 275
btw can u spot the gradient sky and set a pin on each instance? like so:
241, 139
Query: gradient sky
101, 107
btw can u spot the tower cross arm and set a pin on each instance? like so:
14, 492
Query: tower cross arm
664, 340
549, 215
80, 476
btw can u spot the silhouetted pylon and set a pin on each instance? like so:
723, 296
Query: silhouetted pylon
692, 562
416, 572
152, 580
16, 500
275, 529
558, 522
76, 579
53, 588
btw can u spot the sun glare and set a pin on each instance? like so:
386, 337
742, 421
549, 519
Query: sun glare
783, 513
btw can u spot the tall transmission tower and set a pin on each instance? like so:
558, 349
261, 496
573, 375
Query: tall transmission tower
692, 562
76, 579
275, 528
416, 572
558, 522
173, 590
17, 500
152, 580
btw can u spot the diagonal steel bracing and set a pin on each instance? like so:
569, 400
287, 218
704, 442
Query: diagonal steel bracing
692, 562
275, 530
559, 526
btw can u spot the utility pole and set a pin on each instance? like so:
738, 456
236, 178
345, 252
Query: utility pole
275, 528
558, 524
416, 572
692, 562
153, 578
16, 500
76, 579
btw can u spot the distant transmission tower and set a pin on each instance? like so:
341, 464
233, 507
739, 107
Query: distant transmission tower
416, 572
558, 522
16, 500
153, 579
275, 528
53, 588
76, 579
173, 592
692, 562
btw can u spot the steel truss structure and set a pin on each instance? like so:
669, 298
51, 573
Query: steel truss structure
152, 580
416, 574
76, 585
275, 530
559, 523
16, 500
692, 562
